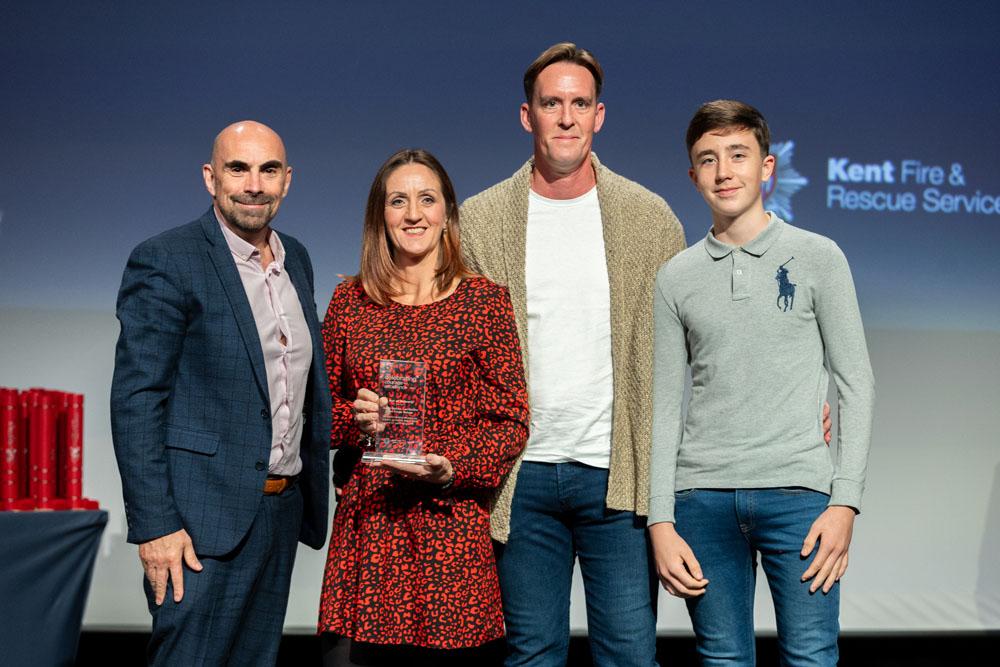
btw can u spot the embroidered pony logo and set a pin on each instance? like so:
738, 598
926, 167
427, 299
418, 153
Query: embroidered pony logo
786, 289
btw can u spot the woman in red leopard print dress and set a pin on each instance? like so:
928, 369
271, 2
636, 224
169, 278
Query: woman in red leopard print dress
410, 566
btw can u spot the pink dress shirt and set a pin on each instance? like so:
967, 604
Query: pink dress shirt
278, 314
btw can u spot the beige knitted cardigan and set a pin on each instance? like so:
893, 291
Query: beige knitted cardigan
640, 233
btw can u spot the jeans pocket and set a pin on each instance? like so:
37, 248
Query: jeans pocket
684, 494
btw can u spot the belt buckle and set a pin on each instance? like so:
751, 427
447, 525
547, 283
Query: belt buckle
274, 486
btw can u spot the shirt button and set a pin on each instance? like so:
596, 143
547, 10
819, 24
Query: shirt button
263, 413
739, 272
259, 465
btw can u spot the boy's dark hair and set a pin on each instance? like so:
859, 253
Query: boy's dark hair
722, 114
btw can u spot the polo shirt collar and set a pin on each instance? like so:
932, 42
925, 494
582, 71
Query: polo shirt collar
756, 247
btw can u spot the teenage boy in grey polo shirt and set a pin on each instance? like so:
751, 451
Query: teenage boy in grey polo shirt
755, 309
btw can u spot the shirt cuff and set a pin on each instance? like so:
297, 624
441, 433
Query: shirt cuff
661, 508
847, 492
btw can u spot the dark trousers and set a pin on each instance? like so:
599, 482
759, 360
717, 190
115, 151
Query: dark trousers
234, 609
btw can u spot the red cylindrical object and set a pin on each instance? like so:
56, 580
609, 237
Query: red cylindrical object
60, 404
24, 450
43, 450
10, 469
71, 458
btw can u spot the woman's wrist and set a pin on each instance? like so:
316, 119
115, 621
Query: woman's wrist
449, 481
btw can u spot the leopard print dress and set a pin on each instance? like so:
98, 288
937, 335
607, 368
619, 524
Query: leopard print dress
410, 564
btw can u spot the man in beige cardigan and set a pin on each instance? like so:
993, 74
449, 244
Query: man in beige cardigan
578, 246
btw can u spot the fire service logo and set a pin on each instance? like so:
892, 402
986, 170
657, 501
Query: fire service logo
784, 182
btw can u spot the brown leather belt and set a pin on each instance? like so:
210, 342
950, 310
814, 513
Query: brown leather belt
276, 485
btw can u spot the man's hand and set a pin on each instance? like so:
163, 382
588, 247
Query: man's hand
676, 565
162, 558
827, 422
435, 470
833, 528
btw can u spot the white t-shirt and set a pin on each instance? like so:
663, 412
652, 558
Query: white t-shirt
569, 332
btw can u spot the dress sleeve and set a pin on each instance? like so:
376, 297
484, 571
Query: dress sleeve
502, 414
343, 430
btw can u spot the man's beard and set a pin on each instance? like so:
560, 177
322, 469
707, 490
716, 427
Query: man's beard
249, 221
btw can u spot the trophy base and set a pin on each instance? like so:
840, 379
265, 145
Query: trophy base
376, 457
18, 505
51, 504
83, 504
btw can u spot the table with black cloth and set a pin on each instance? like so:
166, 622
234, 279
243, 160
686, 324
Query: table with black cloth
46, 563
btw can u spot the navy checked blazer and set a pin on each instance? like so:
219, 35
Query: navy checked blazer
190, 412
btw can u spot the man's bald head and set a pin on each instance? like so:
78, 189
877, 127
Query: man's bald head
243, 130
248, 176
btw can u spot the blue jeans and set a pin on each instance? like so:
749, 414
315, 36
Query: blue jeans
726, 529
557, 515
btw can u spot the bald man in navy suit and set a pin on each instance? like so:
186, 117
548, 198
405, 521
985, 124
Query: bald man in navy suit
221, 413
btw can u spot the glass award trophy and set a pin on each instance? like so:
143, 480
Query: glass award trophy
399, 434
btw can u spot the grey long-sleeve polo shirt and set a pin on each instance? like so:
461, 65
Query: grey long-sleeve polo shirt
756, 324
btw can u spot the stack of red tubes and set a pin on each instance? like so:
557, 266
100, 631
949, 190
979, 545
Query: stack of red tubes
41, 450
